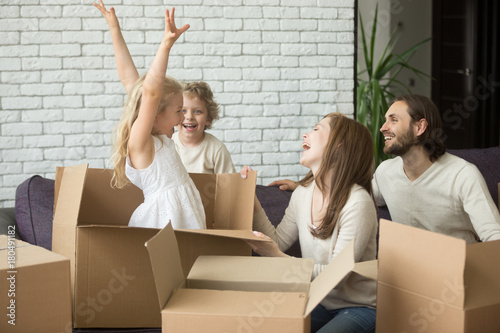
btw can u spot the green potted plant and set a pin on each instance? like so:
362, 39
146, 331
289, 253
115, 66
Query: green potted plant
381, 84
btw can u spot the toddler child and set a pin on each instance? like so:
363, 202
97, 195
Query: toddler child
144, 153
201, 152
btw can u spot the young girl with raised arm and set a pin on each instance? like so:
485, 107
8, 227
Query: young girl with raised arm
332, 205
200, 152
144, 153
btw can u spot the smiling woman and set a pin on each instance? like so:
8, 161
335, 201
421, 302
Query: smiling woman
332, 206
314, 144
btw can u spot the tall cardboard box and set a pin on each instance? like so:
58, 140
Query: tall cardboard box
429, 282
239, 294
111, 278
35, 289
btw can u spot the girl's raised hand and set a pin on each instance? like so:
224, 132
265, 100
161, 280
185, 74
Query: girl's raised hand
110, 15
171, 32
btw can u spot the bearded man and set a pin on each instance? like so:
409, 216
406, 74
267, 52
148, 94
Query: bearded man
426, 187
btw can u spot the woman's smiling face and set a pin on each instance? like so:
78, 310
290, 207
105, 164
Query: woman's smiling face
314, 145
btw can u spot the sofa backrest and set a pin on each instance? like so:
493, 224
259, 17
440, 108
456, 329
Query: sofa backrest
487, 161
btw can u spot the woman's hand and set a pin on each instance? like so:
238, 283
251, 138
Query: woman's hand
285, 184
265, 249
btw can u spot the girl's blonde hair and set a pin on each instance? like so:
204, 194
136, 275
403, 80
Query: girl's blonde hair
204, 93
348, 158
121, 133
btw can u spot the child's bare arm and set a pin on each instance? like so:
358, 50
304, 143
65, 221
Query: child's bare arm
153, 84
152, 91
124, 64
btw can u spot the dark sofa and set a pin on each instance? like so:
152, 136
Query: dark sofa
32, 215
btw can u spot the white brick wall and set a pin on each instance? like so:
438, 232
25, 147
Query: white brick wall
276, 67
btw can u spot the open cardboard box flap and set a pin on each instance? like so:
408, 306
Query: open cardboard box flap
368, 269
226, 199
167, 269
420, 261
423, 274
472, 269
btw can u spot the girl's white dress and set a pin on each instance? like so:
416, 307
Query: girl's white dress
169, 192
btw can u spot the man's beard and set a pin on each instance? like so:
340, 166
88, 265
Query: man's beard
402, 145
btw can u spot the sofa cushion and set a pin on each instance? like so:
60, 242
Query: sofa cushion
34, 210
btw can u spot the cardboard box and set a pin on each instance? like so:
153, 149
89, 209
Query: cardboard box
35, 289
111, 277
429, 282
239, 294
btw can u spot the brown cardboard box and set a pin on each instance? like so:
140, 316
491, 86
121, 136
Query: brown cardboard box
239, 294
35, 289
111, 277
429, 282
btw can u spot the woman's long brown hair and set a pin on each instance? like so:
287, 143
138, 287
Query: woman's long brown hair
348, 159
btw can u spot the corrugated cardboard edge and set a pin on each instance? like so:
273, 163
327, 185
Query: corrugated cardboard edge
330, 277
368, 269
166, 263
68, 192
4, 243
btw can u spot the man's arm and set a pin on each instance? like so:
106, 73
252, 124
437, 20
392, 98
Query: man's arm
478, 204
379, 199
285, 184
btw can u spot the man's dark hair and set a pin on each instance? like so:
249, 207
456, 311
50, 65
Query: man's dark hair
422, 107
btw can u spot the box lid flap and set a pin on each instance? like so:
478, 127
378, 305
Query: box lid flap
432, 262
252, 273
69, 190
328, 279
238, 234
234, 201
368, 269
482, 272
166, 263
103, 204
